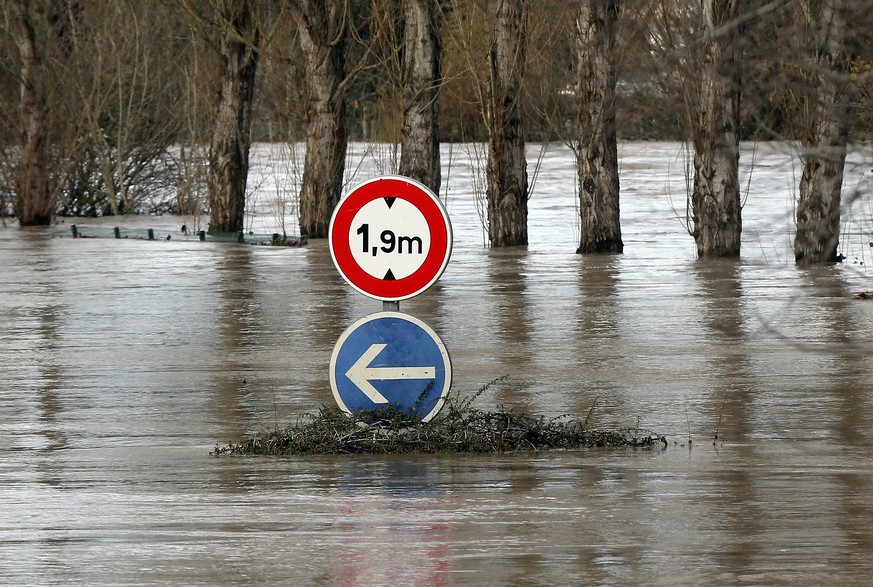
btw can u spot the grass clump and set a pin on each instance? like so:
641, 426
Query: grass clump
460, 428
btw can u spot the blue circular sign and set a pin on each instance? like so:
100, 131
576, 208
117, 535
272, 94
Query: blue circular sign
390, 359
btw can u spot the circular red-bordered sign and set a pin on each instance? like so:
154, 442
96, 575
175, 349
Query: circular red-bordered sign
390, 238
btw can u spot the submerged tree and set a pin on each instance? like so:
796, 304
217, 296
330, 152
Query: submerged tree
715, 198
323, 31
34, 200
422, 78
506, 169
824, 143
231, 137
596, 147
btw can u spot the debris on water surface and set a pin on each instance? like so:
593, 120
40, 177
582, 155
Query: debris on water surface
458, 429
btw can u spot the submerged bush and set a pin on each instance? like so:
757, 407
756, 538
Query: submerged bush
460, 428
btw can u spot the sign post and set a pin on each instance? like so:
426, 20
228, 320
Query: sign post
390, 239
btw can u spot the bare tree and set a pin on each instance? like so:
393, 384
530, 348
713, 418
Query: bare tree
121, 100
422, 78
322, 29
824, 154
596, 147
229, 149
34, 200
715, 198
506, 170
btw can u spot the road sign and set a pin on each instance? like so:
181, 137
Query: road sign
390, 238
390, 358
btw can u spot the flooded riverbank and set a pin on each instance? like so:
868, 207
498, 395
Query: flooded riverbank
125, 362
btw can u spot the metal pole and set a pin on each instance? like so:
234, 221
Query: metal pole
390, 306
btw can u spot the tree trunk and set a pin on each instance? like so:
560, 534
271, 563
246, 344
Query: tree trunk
422, 77
715, 199
506, 169
35, 201
323, 39
818, 208
231, 138
597, 150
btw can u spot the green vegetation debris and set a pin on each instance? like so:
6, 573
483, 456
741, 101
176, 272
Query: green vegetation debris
459, 428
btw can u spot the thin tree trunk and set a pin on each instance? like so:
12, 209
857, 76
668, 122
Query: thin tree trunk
422, 77
715, 200
231, 138
506, 169
323, 39
597, 150
818, 208
34, 202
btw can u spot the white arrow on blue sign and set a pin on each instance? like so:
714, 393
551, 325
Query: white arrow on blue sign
390, 358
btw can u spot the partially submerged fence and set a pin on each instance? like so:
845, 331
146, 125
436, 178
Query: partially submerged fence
275, 239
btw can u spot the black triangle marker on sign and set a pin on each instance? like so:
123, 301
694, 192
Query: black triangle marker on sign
390, 201
389, 276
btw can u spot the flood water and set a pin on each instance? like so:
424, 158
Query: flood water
124, 362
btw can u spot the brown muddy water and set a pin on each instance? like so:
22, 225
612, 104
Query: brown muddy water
124, 362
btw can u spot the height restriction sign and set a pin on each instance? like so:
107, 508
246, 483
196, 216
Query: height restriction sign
390, 238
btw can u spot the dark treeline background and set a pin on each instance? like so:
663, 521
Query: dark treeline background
155, 55
131, 87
